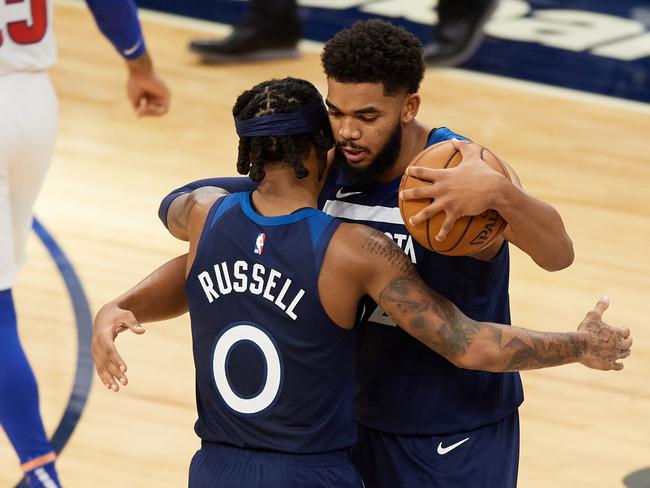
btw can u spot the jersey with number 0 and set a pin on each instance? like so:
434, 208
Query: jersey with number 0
273, 371
26, 35
404, 387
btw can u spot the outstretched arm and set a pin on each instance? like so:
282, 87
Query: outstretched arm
385, 273
473, 187
160, 296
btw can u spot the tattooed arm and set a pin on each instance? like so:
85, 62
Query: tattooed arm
388, 276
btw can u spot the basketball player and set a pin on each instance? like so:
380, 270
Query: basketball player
423, 421
28, 126
273, 287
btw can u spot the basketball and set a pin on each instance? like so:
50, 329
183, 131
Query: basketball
469, 234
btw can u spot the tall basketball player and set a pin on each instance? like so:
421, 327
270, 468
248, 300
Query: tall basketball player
28, 126
274, 286
413, 404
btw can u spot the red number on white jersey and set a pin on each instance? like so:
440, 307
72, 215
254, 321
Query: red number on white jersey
21, 32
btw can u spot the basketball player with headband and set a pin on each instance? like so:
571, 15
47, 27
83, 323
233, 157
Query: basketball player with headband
411, 403
273, 287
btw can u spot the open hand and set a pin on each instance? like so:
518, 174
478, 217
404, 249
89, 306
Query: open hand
606, 345
110, 321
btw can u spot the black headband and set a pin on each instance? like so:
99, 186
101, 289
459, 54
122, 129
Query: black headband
303, 121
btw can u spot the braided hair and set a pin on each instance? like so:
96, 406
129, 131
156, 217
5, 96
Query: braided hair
278, 97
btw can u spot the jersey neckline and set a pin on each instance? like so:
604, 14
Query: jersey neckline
252, 214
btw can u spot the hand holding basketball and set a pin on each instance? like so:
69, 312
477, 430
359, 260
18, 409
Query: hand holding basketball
457, 191
447, 195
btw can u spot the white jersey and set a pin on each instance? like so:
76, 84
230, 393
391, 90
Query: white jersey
26, 35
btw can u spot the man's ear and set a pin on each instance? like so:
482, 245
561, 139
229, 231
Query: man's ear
410, 107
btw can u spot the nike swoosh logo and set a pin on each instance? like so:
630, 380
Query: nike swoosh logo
444, 450
340, 194
128, 52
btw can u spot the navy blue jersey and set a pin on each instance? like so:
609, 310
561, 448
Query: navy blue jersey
273, 371
404, 387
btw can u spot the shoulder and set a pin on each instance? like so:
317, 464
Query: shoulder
203, 198
440, 134
364, 246
200, 203
359, 235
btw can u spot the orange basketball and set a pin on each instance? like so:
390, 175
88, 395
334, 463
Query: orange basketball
469, 234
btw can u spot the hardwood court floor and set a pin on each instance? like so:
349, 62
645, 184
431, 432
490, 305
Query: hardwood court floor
590, 159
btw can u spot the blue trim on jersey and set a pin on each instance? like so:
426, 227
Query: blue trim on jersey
220, 207
323, 241
317, 226
441, 134
247, 207
213, 215
84, 367
230, 184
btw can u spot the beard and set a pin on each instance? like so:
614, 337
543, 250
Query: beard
366, 178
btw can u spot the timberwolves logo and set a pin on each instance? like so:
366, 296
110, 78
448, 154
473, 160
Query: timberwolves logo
259, 243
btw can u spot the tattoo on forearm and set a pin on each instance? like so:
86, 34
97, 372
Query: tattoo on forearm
542, 350
435, 321
432, 318
377, 243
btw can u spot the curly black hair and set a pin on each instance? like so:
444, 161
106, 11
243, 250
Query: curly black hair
375, 51
278, 97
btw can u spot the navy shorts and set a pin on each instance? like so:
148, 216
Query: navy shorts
219, 466
487, 457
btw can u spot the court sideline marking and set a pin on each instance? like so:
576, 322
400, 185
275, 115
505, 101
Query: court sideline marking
84, 367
